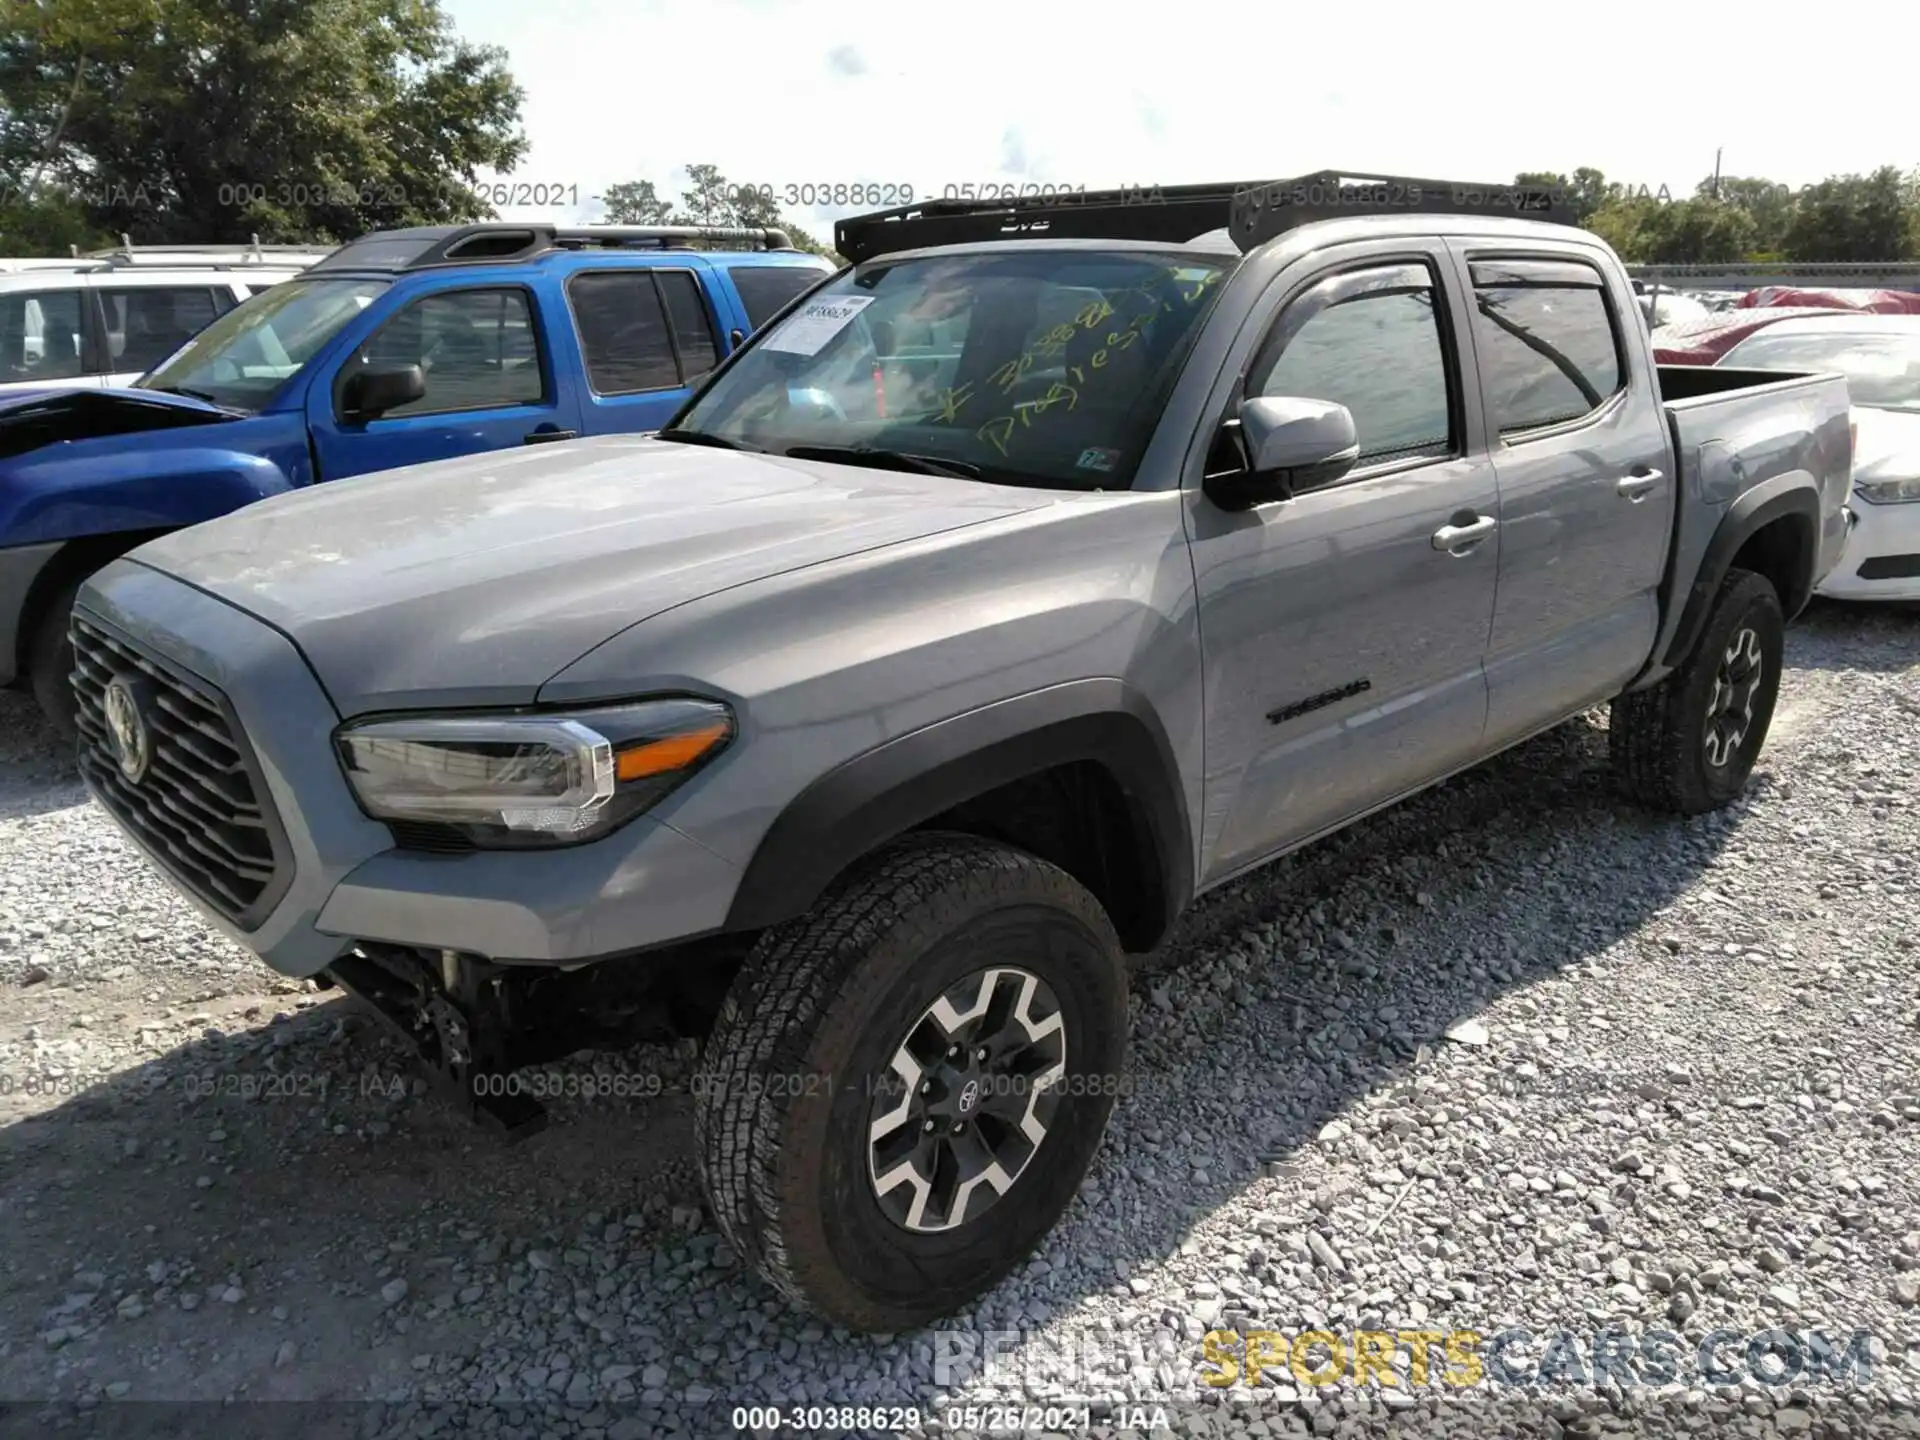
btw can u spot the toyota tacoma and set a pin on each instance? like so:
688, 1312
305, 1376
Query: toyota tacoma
1050, 565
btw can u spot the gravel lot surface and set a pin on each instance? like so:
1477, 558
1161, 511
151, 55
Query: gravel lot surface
1682, 1091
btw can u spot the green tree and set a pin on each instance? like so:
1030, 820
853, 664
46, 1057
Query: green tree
1585, 189
636, 202
708, 202
1861, 218
1767, 202
1697, 232
711, 200
210, 120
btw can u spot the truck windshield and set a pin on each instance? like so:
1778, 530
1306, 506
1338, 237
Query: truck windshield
242, 358
1042, 367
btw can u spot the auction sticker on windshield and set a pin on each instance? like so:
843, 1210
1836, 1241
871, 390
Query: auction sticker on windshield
815, 323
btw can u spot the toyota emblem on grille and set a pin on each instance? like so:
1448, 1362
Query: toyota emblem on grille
127, 732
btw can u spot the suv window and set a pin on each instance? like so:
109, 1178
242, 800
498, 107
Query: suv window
765, 288
1369, 340
692, 326
624, 332
40, 335
476, 348
147, 323
1549, 353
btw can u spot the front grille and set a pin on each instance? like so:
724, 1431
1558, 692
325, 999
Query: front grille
200, 807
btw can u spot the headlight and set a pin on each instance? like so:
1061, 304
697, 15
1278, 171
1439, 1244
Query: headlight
527, 781
1888, 492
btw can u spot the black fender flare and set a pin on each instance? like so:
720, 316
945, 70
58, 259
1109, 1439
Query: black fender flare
883, 792
1795, 498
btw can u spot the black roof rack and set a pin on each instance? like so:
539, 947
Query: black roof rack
1252, 212
503, 242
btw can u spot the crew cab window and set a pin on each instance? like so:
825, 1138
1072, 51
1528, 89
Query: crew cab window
1369, 340
477, 349
642, 329
692, 326
146, 324
40, 335
764, 289
1549, 348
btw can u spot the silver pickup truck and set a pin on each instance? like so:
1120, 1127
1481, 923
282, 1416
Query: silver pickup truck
1047, 567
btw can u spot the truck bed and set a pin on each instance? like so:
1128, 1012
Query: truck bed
1736, 432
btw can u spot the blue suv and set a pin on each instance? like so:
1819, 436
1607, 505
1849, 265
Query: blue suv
402, 347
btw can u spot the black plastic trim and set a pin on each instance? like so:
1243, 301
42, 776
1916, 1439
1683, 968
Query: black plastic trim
1744, 519
865, 802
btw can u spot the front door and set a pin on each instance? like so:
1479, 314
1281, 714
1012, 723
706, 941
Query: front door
490, 385
1344, 631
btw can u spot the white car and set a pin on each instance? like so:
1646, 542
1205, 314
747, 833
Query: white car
104, 322
1880, 356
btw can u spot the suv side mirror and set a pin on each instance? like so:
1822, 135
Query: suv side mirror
369, 394
1292, 444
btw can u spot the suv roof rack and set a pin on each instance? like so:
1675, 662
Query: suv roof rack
198, 257
505, 242
1252, 212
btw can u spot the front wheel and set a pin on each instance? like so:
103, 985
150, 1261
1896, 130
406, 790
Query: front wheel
1688, 744
906, 1086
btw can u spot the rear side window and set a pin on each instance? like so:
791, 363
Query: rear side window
1549, 349
764, 289
627, 335
147, 324
692, 328
40, 336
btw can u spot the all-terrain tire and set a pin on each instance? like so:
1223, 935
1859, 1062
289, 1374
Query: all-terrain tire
50, 665
785, 1094
1658, 738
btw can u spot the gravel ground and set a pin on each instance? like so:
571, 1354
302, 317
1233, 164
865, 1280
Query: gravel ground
1512, 1054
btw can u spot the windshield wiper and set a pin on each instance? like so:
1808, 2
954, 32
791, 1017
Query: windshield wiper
701, 437
887, 460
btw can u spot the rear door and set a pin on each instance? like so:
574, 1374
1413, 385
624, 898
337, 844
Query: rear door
648, 334
1586, 505
490, 373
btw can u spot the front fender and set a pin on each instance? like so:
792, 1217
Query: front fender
64, 494
889, 789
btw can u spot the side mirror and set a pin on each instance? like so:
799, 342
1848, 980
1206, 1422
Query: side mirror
1292, 444
369, 394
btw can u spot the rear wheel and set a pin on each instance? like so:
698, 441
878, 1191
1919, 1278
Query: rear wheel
1689, 743
906, 1086
50, 664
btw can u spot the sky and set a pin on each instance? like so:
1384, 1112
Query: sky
793, 92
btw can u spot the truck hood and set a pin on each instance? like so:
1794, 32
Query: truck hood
473, 581
31, 419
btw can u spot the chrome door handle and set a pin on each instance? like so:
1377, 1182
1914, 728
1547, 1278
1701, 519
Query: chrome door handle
1636, 486
1455, 539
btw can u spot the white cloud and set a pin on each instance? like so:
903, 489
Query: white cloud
800, 92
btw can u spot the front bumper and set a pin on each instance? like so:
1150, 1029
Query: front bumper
645, 885
1884, 543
